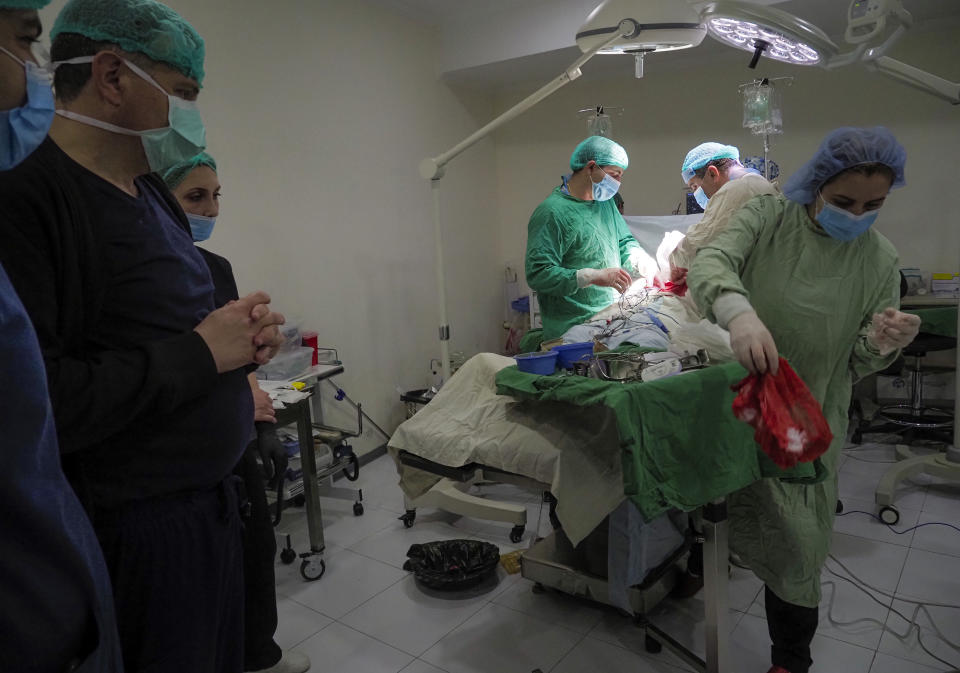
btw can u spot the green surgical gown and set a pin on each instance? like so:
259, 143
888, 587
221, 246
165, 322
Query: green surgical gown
565, 235
817, 296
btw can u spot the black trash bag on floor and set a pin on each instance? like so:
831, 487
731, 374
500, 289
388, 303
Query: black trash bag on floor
452, 564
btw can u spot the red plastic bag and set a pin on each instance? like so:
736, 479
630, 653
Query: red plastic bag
788, 423
677, 283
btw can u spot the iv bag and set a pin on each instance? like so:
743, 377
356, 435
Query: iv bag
600, 125
762, 108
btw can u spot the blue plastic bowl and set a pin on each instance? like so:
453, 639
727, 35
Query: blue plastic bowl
537, 363
570, 353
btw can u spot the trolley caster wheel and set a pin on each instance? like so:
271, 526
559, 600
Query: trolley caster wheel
409, 518
538, 588
652, 645
358, 509
300, 500
312, 569
839, 507
889, 515
287, 556
516, 534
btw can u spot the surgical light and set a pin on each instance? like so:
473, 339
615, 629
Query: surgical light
766, 31
769, 32
651, 26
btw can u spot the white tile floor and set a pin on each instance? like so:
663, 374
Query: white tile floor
367, 615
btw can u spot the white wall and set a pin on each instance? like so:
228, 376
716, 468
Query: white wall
667, 113
318, 114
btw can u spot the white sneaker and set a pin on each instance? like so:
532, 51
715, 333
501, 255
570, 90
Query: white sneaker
290, 662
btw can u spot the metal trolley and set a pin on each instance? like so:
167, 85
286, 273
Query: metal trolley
308, 489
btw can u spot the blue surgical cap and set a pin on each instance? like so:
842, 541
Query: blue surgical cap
24, 4
602, 150
138, 26
844, 148
177, 173
703, 154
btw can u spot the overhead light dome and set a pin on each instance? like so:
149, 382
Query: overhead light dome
768, 32
652, 25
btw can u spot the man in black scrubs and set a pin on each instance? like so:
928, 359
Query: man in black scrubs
147, 380
56, 606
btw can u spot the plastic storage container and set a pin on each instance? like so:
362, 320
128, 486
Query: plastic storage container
287, 364
537, 363
567, 354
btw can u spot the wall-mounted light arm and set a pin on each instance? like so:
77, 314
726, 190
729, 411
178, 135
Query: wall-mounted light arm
432, 168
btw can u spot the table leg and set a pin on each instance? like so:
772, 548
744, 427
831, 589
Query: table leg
715, 589
308, 463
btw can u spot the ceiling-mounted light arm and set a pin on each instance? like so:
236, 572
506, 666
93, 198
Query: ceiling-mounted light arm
848, 58
432, 168
917, 78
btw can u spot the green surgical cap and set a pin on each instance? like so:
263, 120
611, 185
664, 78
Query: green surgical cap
703, 154
24, 4
137, 26
177, 173
602, 150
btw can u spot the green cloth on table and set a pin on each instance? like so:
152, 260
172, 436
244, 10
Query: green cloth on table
565, 235
817, 296
940, 320
681, 445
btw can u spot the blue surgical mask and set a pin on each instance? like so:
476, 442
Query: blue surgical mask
183, 138
606, 188
842, 224
201, 228
22, 129
701, 197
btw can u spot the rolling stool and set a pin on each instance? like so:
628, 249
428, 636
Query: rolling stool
916, 420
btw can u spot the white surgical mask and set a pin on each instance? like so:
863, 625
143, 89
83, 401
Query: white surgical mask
183, 138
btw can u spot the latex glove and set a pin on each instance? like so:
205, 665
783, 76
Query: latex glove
753, 344
273, 454
892, 330
616, 278
642, 265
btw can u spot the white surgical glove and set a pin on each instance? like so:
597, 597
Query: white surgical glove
892, 330
616, 278
642, 265
753, 344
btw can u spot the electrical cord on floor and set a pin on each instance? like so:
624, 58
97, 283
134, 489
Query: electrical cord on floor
895, 531
911, 622
866, 460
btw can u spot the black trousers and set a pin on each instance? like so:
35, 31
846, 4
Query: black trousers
259, 550
175, 564
792, 628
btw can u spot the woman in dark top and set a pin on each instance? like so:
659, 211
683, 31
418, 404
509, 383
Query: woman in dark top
196, 186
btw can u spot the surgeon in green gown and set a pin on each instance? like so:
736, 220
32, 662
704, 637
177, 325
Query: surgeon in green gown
580, 253
806, 276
